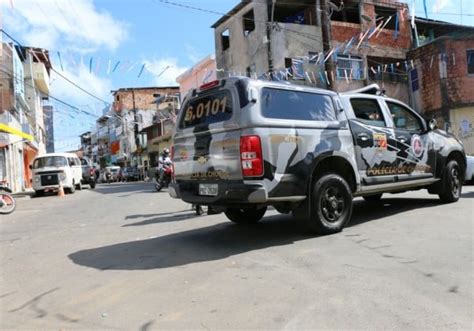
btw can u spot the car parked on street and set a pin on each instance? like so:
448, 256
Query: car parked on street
50, 171
241, 145
88, 172
130, 174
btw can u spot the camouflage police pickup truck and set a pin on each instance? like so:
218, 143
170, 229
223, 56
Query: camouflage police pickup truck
241, 145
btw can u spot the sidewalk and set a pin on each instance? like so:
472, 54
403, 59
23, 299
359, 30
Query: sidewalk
27, 194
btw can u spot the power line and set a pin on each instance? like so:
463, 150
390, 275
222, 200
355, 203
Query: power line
54, 98
59, 74
82, 89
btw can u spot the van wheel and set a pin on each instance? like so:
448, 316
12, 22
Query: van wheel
453, 182
373, 197
249, 215
79, 186
331, 205
39, 193
72, 189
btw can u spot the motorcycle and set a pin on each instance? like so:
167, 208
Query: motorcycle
108, 176
7, 201
165, 179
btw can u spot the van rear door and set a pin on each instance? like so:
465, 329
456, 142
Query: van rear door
207, 138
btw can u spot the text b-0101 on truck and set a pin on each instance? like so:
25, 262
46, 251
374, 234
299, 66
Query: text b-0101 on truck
241, 145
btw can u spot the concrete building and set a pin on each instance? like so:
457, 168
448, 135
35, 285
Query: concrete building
245, 46
24, 86
202, 72
127, 141
442, 83
48, 113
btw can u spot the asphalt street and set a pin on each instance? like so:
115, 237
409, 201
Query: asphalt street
125, 257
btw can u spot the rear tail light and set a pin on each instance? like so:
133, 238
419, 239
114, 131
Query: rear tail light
209, 85
91, 171
251, 156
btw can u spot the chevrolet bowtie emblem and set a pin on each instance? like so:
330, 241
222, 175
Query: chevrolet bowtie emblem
202, 159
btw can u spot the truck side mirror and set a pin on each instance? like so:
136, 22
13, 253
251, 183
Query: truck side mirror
433, 124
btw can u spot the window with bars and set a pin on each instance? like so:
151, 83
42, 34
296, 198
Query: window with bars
351, 67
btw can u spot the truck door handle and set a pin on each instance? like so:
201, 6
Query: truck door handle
402, 139
363, 136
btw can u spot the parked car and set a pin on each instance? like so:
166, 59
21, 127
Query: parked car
88, 172
130, 174
56, 169
241, 145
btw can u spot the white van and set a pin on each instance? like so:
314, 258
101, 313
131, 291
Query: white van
51, 170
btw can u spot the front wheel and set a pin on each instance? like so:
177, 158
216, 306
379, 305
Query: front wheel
72, 189
158, 187
453, 183
250, 215
331, 205
92, 185
7, 204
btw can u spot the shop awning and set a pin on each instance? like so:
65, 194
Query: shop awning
7, 129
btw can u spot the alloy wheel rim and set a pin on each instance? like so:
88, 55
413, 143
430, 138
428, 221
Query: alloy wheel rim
332, 204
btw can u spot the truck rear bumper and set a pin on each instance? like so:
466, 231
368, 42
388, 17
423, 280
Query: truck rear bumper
228, 193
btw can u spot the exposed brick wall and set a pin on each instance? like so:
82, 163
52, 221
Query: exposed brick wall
439, 94
144, 98
343, 32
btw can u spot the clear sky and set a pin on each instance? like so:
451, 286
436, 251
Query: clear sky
168, 39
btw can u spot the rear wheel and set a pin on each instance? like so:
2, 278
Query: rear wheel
72, 189
250, 215
373, 197
8, 204
79, 186
453, 183
39, 193
331, 207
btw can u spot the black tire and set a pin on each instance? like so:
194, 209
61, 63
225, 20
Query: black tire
453, 182
92, 185
331, 205
250, 215
199, 210
72, 189
158, 187
373, 197
39, 193
79, 186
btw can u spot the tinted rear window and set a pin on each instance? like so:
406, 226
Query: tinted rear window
208, 109
294, 105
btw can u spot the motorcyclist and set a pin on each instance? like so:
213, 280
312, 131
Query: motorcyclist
164, 161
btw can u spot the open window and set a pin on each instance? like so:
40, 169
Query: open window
349, 13
248, 22
384, 13
470, 61
225, 39
295, 67
294, 11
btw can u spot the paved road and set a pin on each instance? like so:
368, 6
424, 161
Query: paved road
124, 257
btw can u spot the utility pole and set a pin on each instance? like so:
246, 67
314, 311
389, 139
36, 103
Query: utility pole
135, 125
326, 32
269, 41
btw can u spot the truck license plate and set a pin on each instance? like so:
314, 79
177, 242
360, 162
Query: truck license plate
208, 189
